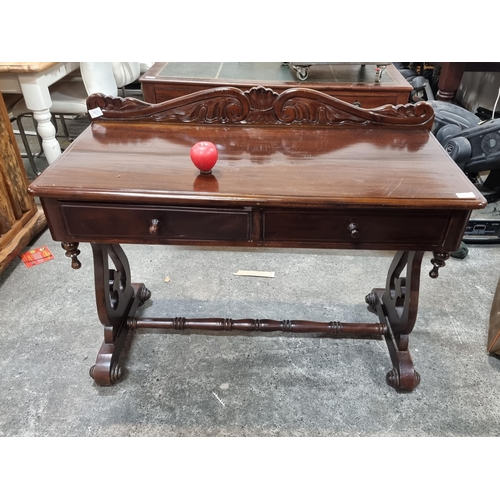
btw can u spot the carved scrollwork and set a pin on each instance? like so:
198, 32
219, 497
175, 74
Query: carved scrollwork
229, 105
223, 105
113, 286
110, 104
261, 101
116, 298
313, 107
225, 110
401, 293
397, 306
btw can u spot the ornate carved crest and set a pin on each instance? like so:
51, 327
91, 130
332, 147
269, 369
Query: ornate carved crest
260, 105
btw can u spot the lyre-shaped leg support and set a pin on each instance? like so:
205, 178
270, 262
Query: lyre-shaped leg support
116, 299
397, 307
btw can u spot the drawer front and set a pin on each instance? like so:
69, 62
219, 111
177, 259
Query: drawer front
368, 100
164, 91
365, 99
420, 228
137, 223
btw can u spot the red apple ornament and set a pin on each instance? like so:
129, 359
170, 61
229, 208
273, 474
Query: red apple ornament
204, 155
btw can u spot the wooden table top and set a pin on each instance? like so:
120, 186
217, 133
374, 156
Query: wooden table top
25, 67
273, 166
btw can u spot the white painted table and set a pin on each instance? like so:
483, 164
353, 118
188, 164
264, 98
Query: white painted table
32, 80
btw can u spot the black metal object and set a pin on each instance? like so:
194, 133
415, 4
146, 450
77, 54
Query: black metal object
474, 145
473, 142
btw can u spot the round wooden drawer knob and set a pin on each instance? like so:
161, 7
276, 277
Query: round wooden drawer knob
353, 228
153, 228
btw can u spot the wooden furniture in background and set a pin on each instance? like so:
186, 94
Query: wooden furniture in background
296, 169
33, 79
20, 219
493, 344
354, 84
452, 73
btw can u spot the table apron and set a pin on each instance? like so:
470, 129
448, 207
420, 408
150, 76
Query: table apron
376, 228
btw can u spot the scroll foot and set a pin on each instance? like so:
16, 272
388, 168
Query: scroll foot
404, 378
107, 371
372, 299
115, 374
144, 295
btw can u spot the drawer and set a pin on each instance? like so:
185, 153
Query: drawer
367, 101
383, 227
164, 92
140, 223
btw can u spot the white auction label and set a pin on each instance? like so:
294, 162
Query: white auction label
95, 113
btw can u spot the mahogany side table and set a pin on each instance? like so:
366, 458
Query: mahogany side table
297, 168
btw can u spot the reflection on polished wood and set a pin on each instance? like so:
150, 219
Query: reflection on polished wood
296, 169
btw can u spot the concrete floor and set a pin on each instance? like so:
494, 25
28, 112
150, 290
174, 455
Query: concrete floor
197, 385
200, 385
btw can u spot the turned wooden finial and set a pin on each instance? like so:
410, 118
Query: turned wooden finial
438, 261
72, 252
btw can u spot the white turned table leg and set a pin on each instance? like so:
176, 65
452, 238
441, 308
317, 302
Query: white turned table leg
47, 132
35, 88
